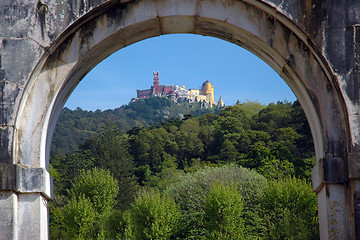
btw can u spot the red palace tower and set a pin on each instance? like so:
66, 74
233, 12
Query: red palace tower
156, 89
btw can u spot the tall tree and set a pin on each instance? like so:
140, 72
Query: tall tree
223, 213
111, 151
153, 216
92, 198
289, 209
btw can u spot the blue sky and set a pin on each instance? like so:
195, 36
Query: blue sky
182, 59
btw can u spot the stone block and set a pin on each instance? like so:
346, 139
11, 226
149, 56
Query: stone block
332, 206
19, 58
7, 177
336, 40
208, 28
52, 19
16, 18
139, 11
328, 170
354, 163
174, 7
228, 11
33, 217
6, 134
10, 95
291, 8
31, 180
42, 21
333, 169
139, 32
7, 221
355, 190
25, 180
176, 17
178, 24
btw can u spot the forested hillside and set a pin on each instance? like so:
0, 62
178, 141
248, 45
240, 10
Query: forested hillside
74, 126
241, 174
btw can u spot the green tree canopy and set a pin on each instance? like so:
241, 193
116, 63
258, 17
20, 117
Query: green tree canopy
223, 213
92, 198
153, 216
290, 210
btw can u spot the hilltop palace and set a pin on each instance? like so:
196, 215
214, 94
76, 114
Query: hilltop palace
177, 94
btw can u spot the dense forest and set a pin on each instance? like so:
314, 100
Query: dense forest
239, 173
74, 126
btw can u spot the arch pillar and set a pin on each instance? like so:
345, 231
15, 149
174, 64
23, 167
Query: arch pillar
102, 27
354, 189
354, 185
337, 184
24, 196
328, 181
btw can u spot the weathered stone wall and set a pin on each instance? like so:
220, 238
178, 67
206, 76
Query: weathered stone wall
46, 46
333, 28
29, 30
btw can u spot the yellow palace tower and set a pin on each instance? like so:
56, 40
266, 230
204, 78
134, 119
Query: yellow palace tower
208, 91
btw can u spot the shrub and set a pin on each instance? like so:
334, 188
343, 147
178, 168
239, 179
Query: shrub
192, 189
223, 213
92, 198
290, 210
152, 216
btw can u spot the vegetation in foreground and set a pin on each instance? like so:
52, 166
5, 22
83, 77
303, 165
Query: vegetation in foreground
242, 174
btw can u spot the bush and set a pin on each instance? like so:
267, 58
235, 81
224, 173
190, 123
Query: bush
79, 219
191, 191
152, 216
290, 210
98, 186
223, 213
92, 198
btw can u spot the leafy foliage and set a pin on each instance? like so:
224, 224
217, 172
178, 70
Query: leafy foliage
223, 213
191, 192
153, 216
92, 198
186, 178
108, 150
75, 126
290, 210
79, 219
97, 185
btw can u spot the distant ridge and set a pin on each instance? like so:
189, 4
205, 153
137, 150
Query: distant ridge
74, 126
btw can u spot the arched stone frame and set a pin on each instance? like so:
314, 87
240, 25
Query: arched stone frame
255, 26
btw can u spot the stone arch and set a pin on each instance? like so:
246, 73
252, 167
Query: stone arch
251, 24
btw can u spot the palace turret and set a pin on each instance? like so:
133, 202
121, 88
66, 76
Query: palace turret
204, 95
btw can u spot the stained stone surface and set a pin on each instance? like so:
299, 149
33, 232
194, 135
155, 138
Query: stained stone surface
47, 46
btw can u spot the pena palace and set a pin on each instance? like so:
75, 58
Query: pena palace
204, 95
